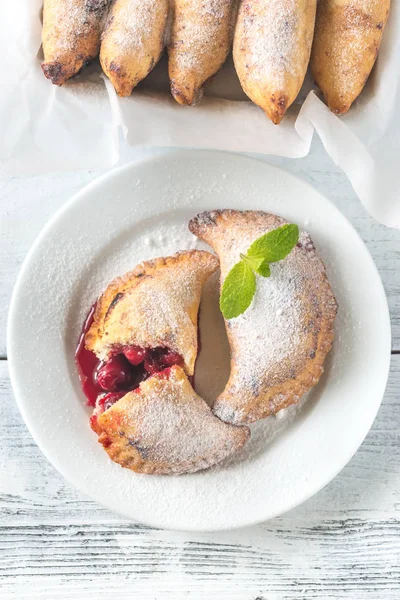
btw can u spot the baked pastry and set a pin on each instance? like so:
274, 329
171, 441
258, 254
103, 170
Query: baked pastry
346, 43
271, 51
278, 346
144, 329
201, 38
164, 427
153, 306
71, 36
144, 322
132, 42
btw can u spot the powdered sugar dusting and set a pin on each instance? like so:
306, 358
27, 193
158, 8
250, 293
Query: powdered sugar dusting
352, 44
180, 431
135, 23
271, 334
156, 306
76, 20
196, 38
174, 428
275, 341
266, 337
270, 36
146, 243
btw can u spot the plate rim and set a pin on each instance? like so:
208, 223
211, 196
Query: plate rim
159, 154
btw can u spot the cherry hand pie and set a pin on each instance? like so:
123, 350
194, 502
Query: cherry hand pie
164, 427
200, 40
71, 36
133, 41
271, 51
151, 313
278, 346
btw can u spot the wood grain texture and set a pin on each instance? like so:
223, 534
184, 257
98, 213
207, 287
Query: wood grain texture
343, 543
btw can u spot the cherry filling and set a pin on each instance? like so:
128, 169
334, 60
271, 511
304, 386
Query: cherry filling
161, 358
115, 374
87, 362
105, 382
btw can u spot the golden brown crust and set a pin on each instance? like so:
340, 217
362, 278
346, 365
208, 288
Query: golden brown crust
279, 345
167, 429
201, 38
346, 44
71, 36
155, 305
271, 51
133, 41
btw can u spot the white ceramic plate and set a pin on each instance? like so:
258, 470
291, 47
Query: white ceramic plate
141, 211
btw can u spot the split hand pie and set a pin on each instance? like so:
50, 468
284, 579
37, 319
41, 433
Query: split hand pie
271, 51
278, 346
147, 415
164, 427
348, 34
150, 314
71, 36
133, 40
200, 41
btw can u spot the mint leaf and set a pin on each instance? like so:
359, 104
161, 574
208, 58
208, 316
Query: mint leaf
257, 264
240, 284
238, 290
263, 269
276, 244
254, 262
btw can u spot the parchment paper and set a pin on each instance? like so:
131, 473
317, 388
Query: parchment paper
45, 128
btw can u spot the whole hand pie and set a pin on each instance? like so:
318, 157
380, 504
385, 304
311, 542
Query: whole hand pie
164, 427
200, 40
71, 36
278, 346
346, 43
133, 40
271, 51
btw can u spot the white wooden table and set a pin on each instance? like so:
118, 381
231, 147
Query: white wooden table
55, 543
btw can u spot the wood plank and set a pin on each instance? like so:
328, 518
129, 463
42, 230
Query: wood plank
343, 543
28, 203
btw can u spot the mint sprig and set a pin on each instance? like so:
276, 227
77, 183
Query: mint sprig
276, 244
240, 283
238, 290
